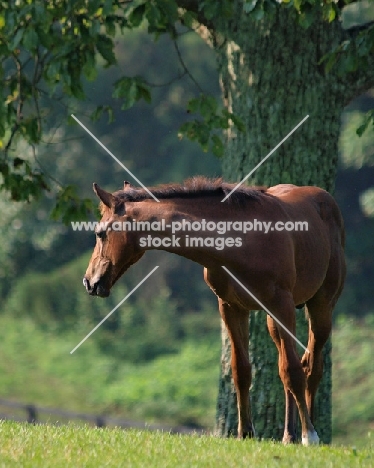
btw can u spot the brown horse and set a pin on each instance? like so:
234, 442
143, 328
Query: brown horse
281, 268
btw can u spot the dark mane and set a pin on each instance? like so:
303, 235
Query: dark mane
194, 187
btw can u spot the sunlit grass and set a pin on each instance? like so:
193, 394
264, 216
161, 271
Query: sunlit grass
68, 446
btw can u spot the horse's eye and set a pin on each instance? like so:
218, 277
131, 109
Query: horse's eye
101, 235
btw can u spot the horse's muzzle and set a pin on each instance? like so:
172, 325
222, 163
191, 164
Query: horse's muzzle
95, 289
87, 285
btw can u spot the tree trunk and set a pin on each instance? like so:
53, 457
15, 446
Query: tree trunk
271, 78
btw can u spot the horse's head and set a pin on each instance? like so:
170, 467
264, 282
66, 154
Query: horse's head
115, 250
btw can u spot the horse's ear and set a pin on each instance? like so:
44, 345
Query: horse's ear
106, 197
127, 185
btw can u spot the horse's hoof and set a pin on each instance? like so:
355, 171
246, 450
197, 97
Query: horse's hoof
311, 438
249, 434
289, 439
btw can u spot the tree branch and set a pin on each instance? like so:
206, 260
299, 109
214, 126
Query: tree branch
184, 66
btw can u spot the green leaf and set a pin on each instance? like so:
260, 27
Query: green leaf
78, 210
136, 16
204, 131
110, 26
45, 38
189, 19
131, 90
193, 105
237, 121
169, 9
22, 182
90, 68
30, 39
16, 39
145, 93
93, 6
41, 14
154, 17
52, 72
368, 118
330, 58
105, 47
31, 130
307, 18
348, 62
208, 106
332, 14
217, 146
258, 13
99, 111
69, 206
107, 7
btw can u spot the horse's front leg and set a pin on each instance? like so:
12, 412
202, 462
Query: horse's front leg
236, 321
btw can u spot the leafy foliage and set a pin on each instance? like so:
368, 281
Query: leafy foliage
131, 90
21, 180
354, 53
46, 48
367, 120
355, 142
49, 49
212, 118
70, 207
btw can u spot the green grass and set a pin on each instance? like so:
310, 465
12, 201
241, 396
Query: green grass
46, 446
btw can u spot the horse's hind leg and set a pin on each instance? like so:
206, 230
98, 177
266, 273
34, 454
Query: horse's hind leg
320, 320
290, 369
236, 321
289, 435
319, 309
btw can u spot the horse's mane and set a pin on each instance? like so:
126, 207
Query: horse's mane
194, 187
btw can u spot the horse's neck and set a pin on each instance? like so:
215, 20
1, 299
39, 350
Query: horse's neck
168, 214
173, 210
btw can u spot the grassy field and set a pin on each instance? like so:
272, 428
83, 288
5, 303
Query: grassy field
36, 367
46, 446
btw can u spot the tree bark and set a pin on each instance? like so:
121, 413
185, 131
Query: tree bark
271, 78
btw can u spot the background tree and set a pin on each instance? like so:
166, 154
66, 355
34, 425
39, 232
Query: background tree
269, 58
281, 61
